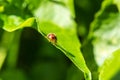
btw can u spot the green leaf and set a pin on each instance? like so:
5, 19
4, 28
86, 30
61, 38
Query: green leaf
12, 22
55, 18
117, 2
110, 66
105, 31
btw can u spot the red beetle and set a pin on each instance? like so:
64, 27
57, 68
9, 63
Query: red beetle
52, 38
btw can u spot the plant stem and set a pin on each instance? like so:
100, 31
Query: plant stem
9, 46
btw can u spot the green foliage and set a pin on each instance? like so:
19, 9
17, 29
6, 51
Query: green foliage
53, 24
13, 23
90, 44
111, 65
105, 30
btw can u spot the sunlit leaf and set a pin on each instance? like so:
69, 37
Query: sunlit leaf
55, 18
12, 22
105, 31
111, 66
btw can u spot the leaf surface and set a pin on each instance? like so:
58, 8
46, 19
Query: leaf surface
105, 31
111, 66
55, 18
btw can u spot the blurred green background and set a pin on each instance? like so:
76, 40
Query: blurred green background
38, 59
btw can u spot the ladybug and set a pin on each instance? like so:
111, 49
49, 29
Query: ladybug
52, 38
